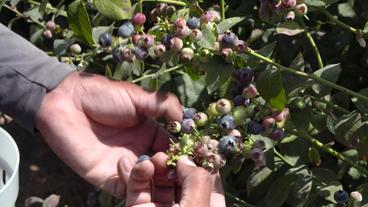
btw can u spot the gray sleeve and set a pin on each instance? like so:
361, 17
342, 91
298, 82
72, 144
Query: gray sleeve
26, 75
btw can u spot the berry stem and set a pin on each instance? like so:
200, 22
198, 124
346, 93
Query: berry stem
222, 4
140, 5
313, 44
340, 23
307, 75
155, 74
278, 154
173, 2
329, 150
332, 105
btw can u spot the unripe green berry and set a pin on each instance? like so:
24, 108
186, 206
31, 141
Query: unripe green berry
200, 119
314, 157
75, 48
224, 106
212, 111
174, 127
239, 113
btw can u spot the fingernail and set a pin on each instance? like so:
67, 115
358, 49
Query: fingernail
126, 165
186, 160
143, 158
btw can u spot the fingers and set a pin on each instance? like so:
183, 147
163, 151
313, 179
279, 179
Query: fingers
195, 182
155, 104
217, 196
139, 183
164, 188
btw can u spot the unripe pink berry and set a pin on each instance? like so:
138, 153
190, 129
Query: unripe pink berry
240, 46
139, 19
287, 4
217, 48
356, 196
213, 145
47, 34
196, 34
148, 40
127, 55
51, 25
219, 37
268, 121
183, 32
176, 44
250, 91
207, 17
279, 116
187, 54
227, 54
200, 149
180, 23
301, 9
290, 16
160, 50
235, 133
136, 38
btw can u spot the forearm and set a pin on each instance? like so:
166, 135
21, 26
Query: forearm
26, 75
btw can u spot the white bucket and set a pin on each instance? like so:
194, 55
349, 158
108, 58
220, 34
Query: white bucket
9, 167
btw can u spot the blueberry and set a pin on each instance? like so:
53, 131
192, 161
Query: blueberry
260, 144
227, 145
126, 30
75, 48
254, 127
211, 110
116, 55
227, 123
143, 158
47, 34
268, 121
356, 196
287, 4
105, 39
223, 106
174, 127
139, 19
240, 113
301, 9
165, 40
277, 134
140, 52
187, 54
246, 75
257, 155
160, 50
188, 125
229, 40
51, 25
341, 196
193, 23
189, 113
240, 100
176, 44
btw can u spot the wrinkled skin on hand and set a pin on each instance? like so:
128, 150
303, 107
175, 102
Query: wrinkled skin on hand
98, 126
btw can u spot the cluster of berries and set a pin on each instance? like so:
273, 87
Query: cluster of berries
273, 10
49, 29
342, 198
224, 130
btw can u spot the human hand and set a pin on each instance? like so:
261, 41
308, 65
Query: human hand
91, 122
149, 185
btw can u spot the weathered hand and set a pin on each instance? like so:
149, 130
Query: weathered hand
91, 123
149, 185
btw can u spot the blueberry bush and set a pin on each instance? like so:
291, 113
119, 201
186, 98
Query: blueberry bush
275, 91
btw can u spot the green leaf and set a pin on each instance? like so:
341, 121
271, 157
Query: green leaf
330, 73
79, 22
218, 72
326, 183
346, 10
362, 136
208, 38
300, 191
227, 24
361, 105
269, 85
122, 71
279, 190
61, 46
108, 72
346, 126
2, 2
42, 8
14, 3
319, 3
114, 9
363, 189
365, 30
257, 178
295, 150
289, 28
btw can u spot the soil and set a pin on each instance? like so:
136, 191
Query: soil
43, 174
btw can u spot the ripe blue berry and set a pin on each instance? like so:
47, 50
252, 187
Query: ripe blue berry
227, 145
277, 134
126, 30
193, 23
246, 76
227, 123
240, 100
229, 40
116, 55
165, 40
188, 125
254, 127
189, 113
143, 158
140, 52
341, 196
105, 39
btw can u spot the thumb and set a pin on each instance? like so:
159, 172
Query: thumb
195, 182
